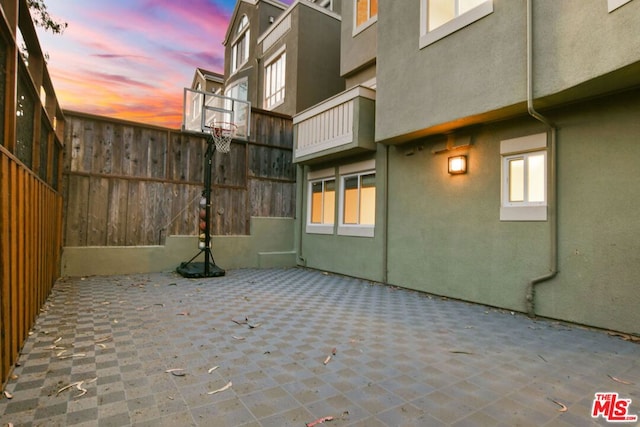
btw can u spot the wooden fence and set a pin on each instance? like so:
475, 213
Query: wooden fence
128, 184
30, 245
31, 125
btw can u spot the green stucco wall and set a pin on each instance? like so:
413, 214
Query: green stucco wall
445, 236
362, 257
269, 245
599, 232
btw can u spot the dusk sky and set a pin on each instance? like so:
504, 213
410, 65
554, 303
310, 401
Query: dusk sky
131, 59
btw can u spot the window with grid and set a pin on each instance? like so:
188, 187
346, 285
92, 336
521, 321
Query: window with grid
274, 81
524, 179
357, 208
322, 205
359, 199
240, 47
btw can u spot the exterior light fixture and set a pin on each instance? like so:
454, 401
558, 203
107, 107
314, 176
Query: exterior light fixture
457, 165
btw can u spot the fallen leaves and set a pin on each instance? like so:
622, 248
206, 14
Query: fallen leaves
319, 421
177, 372
618, 380
626, 337
104, 339
241, 322
563, 407
245, 321
61, 355
226, 387
78, 385
333, 353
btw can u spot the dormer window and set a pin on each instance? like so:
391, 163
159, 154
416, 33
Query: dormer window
240, 47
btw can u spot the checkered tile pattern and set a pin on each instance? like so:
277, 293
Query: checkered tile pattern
402, 358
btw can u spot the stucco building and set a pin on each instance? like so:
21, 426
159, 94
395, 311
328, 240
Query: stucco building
538, 100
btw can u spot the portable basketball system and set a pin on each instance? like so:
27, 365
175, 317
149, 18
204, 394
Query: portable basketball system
220, 120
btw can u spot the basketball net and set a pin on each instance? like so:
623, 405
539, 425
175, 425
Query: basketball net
222, 134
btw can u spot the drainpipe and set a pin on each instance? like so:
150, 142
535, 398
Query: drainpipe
552, 216
300, 186
385, 243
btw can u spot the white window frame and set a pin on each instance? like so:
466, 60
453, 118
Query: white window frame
241, 40
366, 24
522, 148
428, 37
323, 175
355, 169
614, 4
233, 91
274, 87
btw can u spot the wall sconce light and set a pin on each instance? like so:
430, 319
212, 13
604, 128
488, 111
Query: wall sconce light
457, 165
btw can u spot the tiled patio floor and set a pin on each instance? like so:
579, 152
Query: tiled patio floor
401, 358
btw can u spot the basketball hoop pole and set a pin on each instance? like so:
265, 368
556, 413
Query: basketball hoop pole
209, 267
208, 255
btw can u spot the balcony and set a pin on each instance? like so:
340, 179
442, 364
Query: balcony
340, 126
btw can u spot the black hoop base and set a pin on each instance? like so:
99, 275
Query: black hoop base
195, 270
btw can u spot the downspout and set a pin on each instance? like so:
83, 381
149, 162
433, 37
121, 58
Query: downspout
300, 186
552, 216
385, 243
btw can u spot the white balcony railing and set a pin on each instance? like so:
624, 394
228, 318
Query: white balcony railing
334, 123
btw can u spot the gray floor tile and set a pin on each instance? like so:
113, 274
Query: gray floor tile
402, 358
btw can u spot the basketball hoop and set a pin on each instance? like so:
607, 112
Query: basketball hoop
222, 134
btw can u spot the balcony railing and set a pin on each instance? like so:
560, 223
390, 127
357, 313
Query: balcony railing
340, 126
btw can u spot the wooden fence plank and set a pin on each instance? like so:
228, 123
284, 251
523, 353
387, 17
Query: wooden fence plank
14, 248
101, 153
5, 272
98, 212
117, 149
117, 212
156, 153
76, 217
30, 245
133, 236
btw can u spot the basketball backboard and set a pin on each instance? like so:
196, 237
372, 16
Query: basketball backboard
202, 109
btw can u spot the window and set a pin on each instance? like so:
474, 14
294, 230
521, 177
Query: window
238, 90
524, 179
240, 48
614, 4
322, 201
366, 13
274, 81
357, 199
439, 18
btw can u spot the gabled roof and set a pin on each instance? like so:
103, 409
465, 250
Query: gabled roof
207, 75
275, 3
210, 75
